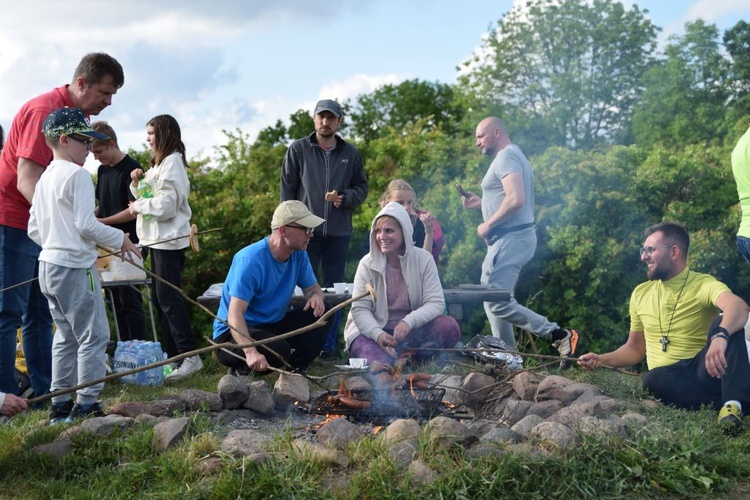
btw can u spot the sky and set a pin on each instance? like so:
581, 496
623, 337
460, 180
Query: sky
244, 64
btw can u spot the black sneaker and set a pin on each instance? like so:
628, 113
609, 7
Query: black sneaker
58, 413
84, 411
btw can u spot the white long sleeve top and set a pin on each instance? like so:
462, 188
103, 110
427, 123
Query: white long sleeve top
62, 218
167, 214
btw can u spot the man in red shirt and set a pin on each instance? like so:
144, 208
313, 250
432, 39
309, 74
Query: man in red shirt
24, 157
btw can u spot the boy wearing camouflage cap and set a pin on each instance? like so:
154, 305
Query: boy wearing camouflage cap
62, 222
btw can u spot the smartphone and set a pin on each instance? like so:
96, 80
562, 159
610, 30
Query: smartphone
461, 190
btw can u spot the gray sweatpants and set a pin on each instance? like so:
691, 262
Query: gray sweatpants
80, 342
500, 269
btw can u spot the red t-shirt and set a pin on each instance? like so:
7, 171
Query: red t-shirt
25, 140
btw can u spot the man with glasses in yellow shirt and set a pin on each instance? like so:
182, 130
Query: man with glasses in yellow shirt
695, 356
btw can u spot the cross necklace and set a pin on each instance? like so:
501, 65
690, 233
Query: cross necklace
665, 336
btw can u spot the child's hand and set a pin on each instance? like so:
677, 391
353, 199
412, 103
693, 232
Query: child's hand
136, 175
128, 247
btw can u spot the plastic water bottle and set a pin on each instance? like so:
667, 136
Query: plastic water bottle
141, 357
145, 191
159, 370
117, 362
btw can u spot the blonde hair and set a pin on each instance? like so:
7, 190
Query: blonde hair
396, 185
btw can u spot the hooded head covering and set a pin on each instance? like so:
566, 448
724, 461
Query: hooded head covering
398, 212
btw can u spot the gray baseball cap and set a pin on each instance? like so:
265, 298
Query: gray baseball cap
328, 105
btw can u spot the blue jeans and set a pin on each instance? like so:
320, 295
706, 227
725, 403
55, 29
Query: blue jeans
743, 245
23, 307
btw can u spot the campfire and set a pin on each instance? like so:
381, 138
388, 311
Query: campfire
394, 395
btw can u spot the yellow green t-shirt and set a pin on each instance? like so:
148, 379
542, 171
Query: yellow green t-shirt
653, 304
741, 171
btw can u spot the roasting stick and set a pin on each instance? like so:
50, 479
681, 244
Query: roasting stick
225, 345
193, 243
522, 354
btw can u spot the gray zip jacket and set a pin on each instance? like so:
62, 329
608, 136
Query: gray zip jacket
307, 174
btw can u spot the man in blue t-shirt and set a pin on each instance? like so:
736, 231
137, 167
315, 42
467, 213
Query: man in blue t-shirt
258, 289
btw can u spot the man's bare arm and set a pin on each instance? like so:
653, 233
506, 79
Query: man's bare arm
28, 174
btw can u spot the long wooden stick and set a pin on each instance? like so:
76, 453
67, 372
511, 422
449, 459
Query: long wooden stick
225, 345
116, 252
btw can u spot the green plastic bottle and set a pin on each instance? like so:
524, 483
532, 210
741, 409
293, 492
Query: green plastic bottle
145, 191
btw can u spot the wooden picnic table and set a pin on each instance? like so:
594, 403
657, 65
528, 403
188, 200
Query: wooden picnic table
455, 298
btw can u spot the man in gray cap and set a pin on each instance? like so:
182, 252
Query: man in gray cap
326, 173
258, 289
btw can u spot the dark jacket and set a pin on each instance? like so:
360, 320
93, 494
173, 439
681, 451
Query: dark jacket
307, 175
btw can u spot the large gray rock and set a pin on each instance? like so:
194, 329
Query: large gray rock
515, 410
421, 474
129, 409
525, 385
104, 426
166, 406
445, 432
484, 449
634, 419
57, 449
551, 388
358, 383
403, 453
524, 426
197, 400
321, 453
402, 429
232, 391
259, 398
452, 385
338, 433
476, 387
243, 442
170, 432
289, 389
603, 428
545, 408
568, 416
499, 435
559, 435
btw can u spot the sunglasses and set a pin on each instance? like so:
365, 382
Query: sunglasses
86, 142
307, 230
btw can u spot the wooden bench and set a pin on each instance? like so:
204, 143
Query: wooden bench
455, 298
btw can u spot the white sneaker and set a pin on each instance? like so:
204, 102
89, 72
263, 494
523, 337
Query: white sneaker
189, 366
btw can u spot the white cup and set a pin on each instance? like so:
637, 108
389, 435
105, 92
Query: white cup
357, 362
350, 288
339, 288
108, 276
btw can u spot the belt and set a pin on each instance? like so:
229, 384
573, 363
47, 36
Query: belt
498, 233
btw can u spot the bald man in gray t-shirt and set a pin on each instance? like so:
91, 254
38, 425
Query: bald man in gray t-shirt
507, 205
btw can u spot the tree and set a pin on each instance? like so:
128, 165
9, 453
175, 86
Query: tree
571, 67
399, 106
737, 43
686, 92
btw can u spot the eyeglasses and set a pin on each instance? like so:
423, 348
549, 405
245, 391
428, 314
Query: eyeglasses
650, 250
307, 230
86, 142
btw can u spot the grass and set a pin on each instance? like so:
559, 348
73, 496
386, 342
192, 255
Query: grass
678, 453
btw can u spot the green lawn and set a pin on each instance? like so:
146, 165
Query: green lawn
677, 454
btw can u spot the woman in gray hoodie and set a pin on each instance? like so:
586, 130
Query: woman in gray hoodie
407, 312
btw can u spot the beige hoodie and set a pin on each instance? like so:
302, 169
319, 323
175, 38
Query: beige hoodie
420, 274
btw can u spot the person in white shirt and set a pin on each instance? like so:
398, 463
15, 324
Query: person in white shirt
163, 212
62, 222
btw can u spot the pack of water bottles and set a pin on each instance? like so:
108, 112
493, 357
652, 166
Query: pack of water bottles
131, 354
